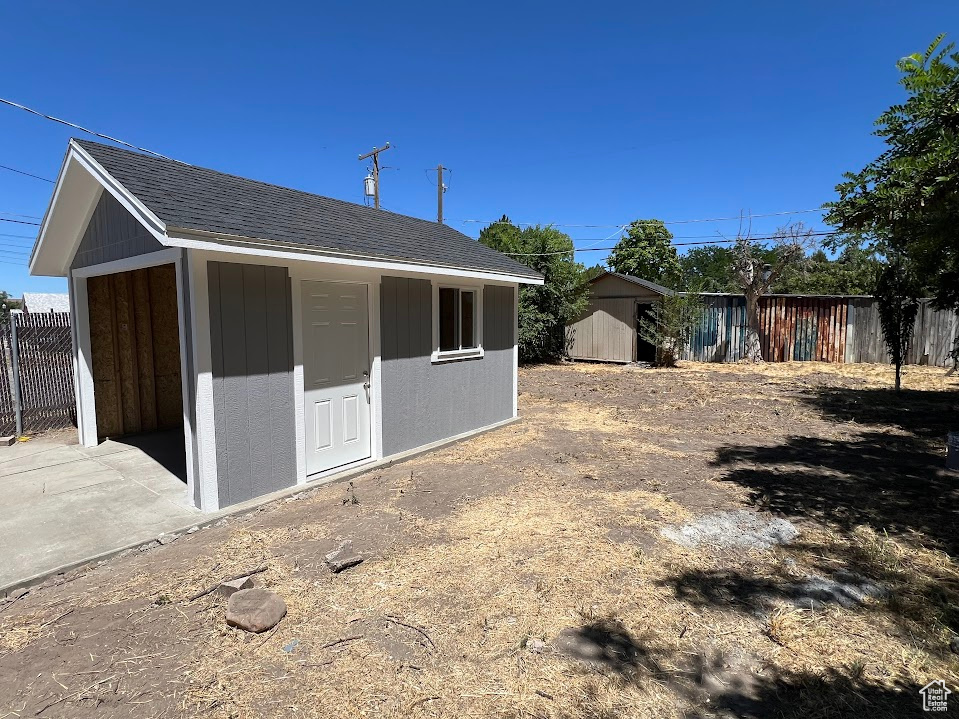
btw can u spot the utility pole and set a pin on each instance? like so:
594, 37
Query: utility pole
439, 193
376, 171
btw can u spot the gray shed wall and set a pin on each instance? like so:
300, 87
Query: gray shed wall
112, 234
251, 334
425, 402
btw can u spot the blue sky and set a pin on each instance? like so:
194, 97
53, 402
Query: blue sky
580, 114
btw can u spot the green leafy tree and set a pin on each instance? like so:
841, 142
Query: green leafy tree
708, 267
544, 310
594, 271
7, 303
853, 272
646, 251
906, 201
669, 324
897, 292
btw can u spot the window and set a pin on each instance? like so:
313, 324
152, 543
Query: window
457, 323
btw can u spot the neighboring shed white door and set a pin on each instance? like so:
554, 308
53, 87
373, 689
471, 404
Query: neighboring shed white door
336, 367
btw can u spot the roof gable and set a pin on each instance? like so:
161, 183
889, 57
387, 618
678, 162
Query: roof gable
646, 284
190, 198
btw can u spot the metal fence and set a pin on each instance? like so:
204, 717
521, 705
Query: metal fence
816, 328
36, 367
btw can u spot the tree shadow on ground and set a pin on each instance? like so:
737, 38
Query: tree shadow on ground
716, 686
729, 588
895, 483
801, 695
607, 645
927, 414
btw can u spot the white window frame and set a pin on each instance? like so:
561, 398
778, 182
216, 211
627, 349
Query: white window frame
460, 354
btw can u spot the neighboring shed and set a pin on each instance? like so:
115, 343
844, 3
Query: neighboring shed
608, 329
292, 336
793, 328
46, 302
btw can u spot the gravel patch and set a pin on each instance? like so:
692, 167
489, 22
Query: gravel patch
741, 529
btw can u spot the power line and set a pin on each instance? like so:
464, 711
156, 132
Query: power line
19, 222
82, 129
654, 222
23, 237
674, 244
24, 172
18, 214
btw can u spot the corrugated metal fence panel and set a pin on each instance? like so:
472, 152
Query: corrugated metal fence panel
606, 331
815, 329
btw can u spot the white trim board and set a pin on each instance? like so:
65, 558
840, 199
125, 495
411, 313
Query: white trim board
136, 262
267, 248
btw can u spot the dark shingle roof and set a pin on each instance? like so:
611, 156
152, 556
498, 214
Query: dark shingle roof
195, 198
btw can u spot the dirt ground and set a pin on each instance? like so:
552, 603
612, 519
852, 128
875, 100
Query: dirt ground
488, 557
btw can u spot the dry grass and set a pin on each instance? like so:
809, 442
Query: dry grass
441, 626
869, 375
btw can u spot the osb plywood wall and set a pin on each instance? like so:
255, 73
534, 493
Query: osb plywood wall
135, 351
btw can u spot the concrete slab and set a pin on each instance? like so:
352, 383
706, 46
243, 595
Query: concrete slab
63, 503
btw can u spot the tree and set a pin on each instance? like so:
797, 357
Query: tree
906, 201
755, 276
646, 251
7, 304
544, 310
669, 325
594, 271
709, 268
897, 295
853, 272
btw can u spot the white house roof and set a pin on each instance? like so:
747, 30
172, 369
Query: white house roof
46, 302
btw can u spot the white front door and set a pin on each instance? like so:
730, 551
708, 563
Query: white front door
336, 373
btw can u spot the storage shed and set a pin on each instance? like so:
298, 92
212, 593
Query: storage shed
608, 329
292, 336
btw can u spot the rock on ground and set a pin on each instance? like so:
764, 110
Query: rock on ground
255, 610
228, 589
343, 557
740, 529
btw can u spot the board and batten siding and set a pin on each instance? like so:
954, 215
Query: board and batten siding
112, 234
251, 335
423, 402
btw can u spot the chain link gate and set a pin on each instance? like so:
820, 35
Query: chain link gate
43, 351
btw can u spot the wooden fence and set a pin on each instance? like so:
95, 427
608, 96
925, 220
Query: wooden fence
44, 349
824, 329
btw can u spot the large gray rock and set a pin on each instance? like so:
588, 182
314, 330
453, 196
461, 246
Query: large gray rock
255, 610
